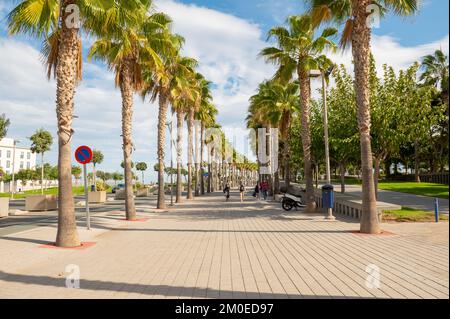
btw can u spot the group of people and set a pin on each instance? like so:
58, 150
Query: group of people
262, 187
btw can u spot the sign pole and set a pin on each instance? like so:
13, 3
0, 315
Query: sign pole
86, 198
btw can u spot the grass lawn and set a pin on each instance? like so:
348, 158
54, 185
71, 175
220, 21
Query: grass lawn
407, 214
78, 190
425, 189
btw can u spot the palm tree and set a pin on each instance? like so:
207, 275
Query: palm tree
168, 85
435, 73
297, 53
276, 104
201, 115
127, 49
41, 140
206, 115
358, 33
53, 22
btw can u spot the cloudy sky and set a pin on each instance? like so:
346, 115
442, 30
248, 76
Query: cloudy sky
224, 36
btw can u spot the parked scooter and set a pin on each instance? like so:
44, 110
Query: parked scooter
289, 201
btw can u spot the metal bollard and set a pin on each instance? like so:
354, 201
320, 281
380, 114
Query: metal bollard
436, 209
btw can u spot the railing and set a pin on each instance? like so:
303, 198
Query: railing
438, 178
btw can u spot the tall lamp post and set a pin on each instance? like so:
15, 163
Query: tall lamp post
13, 184
324, 75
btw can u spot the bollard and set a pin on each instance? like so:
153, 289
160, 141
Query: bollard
436, 209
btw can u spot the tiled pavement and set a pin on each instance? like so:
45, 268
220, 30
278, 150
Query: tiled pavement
207, 248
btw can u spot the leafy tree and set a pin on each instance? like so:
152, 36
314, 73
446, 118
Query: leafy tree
435, 73
76, 172
116, 176
97, 158
141, 166
26, 175
41, 141
4, 124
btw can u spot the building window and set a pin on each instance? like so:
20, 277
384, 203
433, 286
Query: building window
28, 165
8, 154
21, 165
28, 155
22, 155
8, 164
0, 153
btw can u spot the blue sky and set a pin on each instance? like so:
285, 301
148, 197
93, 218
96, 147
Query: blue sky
224, 35
431, 22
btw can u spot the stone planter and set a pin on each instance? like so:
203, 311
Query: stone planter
97, 197
120, 194
4, 207
143, 192
41, 202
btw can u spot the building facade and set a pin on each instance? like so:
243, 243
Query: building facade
16, 158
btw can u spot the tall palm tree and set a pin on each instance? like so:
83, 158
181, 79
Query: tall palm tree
358, 33
130, 47
435, 73
52, 21
207, 117
169, 86
298, 52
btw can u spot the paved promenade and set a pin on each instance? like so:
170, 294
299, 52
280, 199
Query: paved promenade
207, 248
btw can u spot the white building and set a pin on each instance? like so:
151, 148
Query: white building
18, 157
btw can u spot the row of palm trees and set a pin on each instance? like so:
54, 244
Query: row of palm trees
138, 46
298, 51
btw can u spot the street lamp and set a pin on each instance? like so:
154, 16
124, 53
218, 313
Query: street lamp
324, 75
13, 185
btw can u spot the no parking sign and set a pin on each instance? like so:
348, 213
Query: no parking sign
84, 155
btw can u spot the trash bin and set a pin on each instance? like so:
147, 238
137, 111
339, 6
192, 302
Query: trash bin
92, 188
327, 196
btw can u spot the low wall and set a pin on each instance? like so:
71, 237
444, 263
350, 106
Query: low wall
4, 207
351, 206
344, 204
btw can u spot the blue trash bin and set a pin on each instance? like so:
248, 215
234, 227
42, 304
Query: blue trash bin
327, 196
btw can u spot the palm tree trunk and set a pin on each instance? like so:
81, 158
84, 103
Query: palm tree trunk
190, 152
163, 107
180, 121
361, 54
305, 92
197, 156
66, 73
126, 90
376, 176
202, 171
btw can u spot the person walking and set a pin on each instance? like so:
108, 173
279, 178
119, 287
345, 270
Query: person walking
256, 191
264, 189
226, 191
242, 191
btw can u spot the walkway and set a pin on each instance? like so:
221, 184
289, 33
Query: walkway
211, 249
403, 199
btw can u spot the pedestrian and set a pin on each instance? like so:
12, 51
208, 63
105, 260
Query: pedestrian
226, 191
242, 191
264, 189
256, 191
